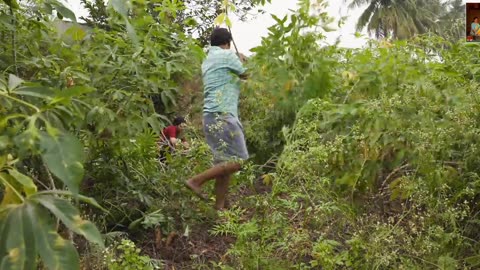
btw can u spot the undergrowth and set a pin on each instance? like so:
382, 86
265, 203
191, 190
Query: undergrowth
361, 158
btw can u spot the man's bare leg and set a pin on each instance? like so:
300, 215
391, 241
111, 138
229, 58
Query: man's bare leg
221, 190
195, 183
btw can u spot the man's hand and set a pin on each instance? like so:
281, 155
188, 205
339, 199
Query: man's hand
242, 57
173, 141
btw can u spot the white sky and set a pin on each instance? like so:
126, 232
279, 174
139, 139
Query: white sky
249, 34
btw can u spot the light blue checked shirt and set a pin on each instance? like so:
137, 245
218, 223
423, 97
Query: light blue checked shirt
220, 72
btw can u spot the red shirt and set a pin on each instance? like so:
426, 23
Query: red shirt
171, 132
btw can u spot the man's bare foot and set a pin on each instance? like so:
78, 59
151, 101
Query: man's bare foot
196, 190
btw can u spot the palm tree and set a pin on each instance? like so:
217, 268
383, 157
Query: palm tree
452, 23
398, 19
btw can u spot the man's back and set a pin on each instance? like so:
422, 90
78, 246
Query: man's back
221, 88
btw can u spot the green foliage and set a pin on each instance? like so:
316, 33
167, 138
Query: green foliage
194, 17
300, 66
125, 255
77, 96
28, 230
379, 167
27, 129
375, 149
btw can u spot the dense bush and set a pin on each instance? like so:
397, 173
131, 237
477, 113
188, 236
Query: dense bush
80, 105
380, 172
370, 154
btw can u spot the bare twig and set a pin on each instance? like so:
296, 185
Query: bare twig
50, 177
395, 171
40, 182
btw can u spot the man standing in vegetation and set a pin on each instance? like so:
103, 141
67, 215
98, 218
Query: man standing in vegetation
221, 71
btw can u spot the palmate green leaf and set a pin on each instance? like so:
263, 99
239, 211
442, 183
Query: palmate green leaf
64, 156
17, 239
220, 19
70, 216
13, 244
27, 229
56, 252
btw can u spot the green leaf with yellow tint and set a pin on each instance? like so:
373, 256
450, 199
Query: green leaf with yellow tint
3, 158
220, 19
70, 216
18, 249
228, 22
76, 33
12, 190
56, 252
9, 197
28, 186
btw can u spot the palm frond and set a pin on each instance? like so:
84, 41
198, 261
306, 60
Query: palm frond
365, 17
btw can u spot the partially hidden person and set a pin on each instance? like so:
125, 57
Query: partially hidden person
221, 71
171, 137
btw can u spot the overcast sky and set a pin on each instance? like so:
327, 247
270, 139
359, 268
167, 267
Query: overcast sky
249, 34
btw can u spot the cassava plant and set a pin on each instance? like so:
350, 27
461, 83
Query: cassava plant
82, 96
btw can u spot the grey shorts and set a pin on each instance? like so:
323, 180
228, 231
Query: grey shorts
224, 135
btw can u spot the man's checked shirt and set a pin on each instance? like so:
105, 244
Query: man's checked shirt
220, 72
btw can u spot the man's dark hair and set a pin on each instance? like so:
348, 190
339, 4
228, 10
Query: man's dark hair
475, 18
220, 36
178, 120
